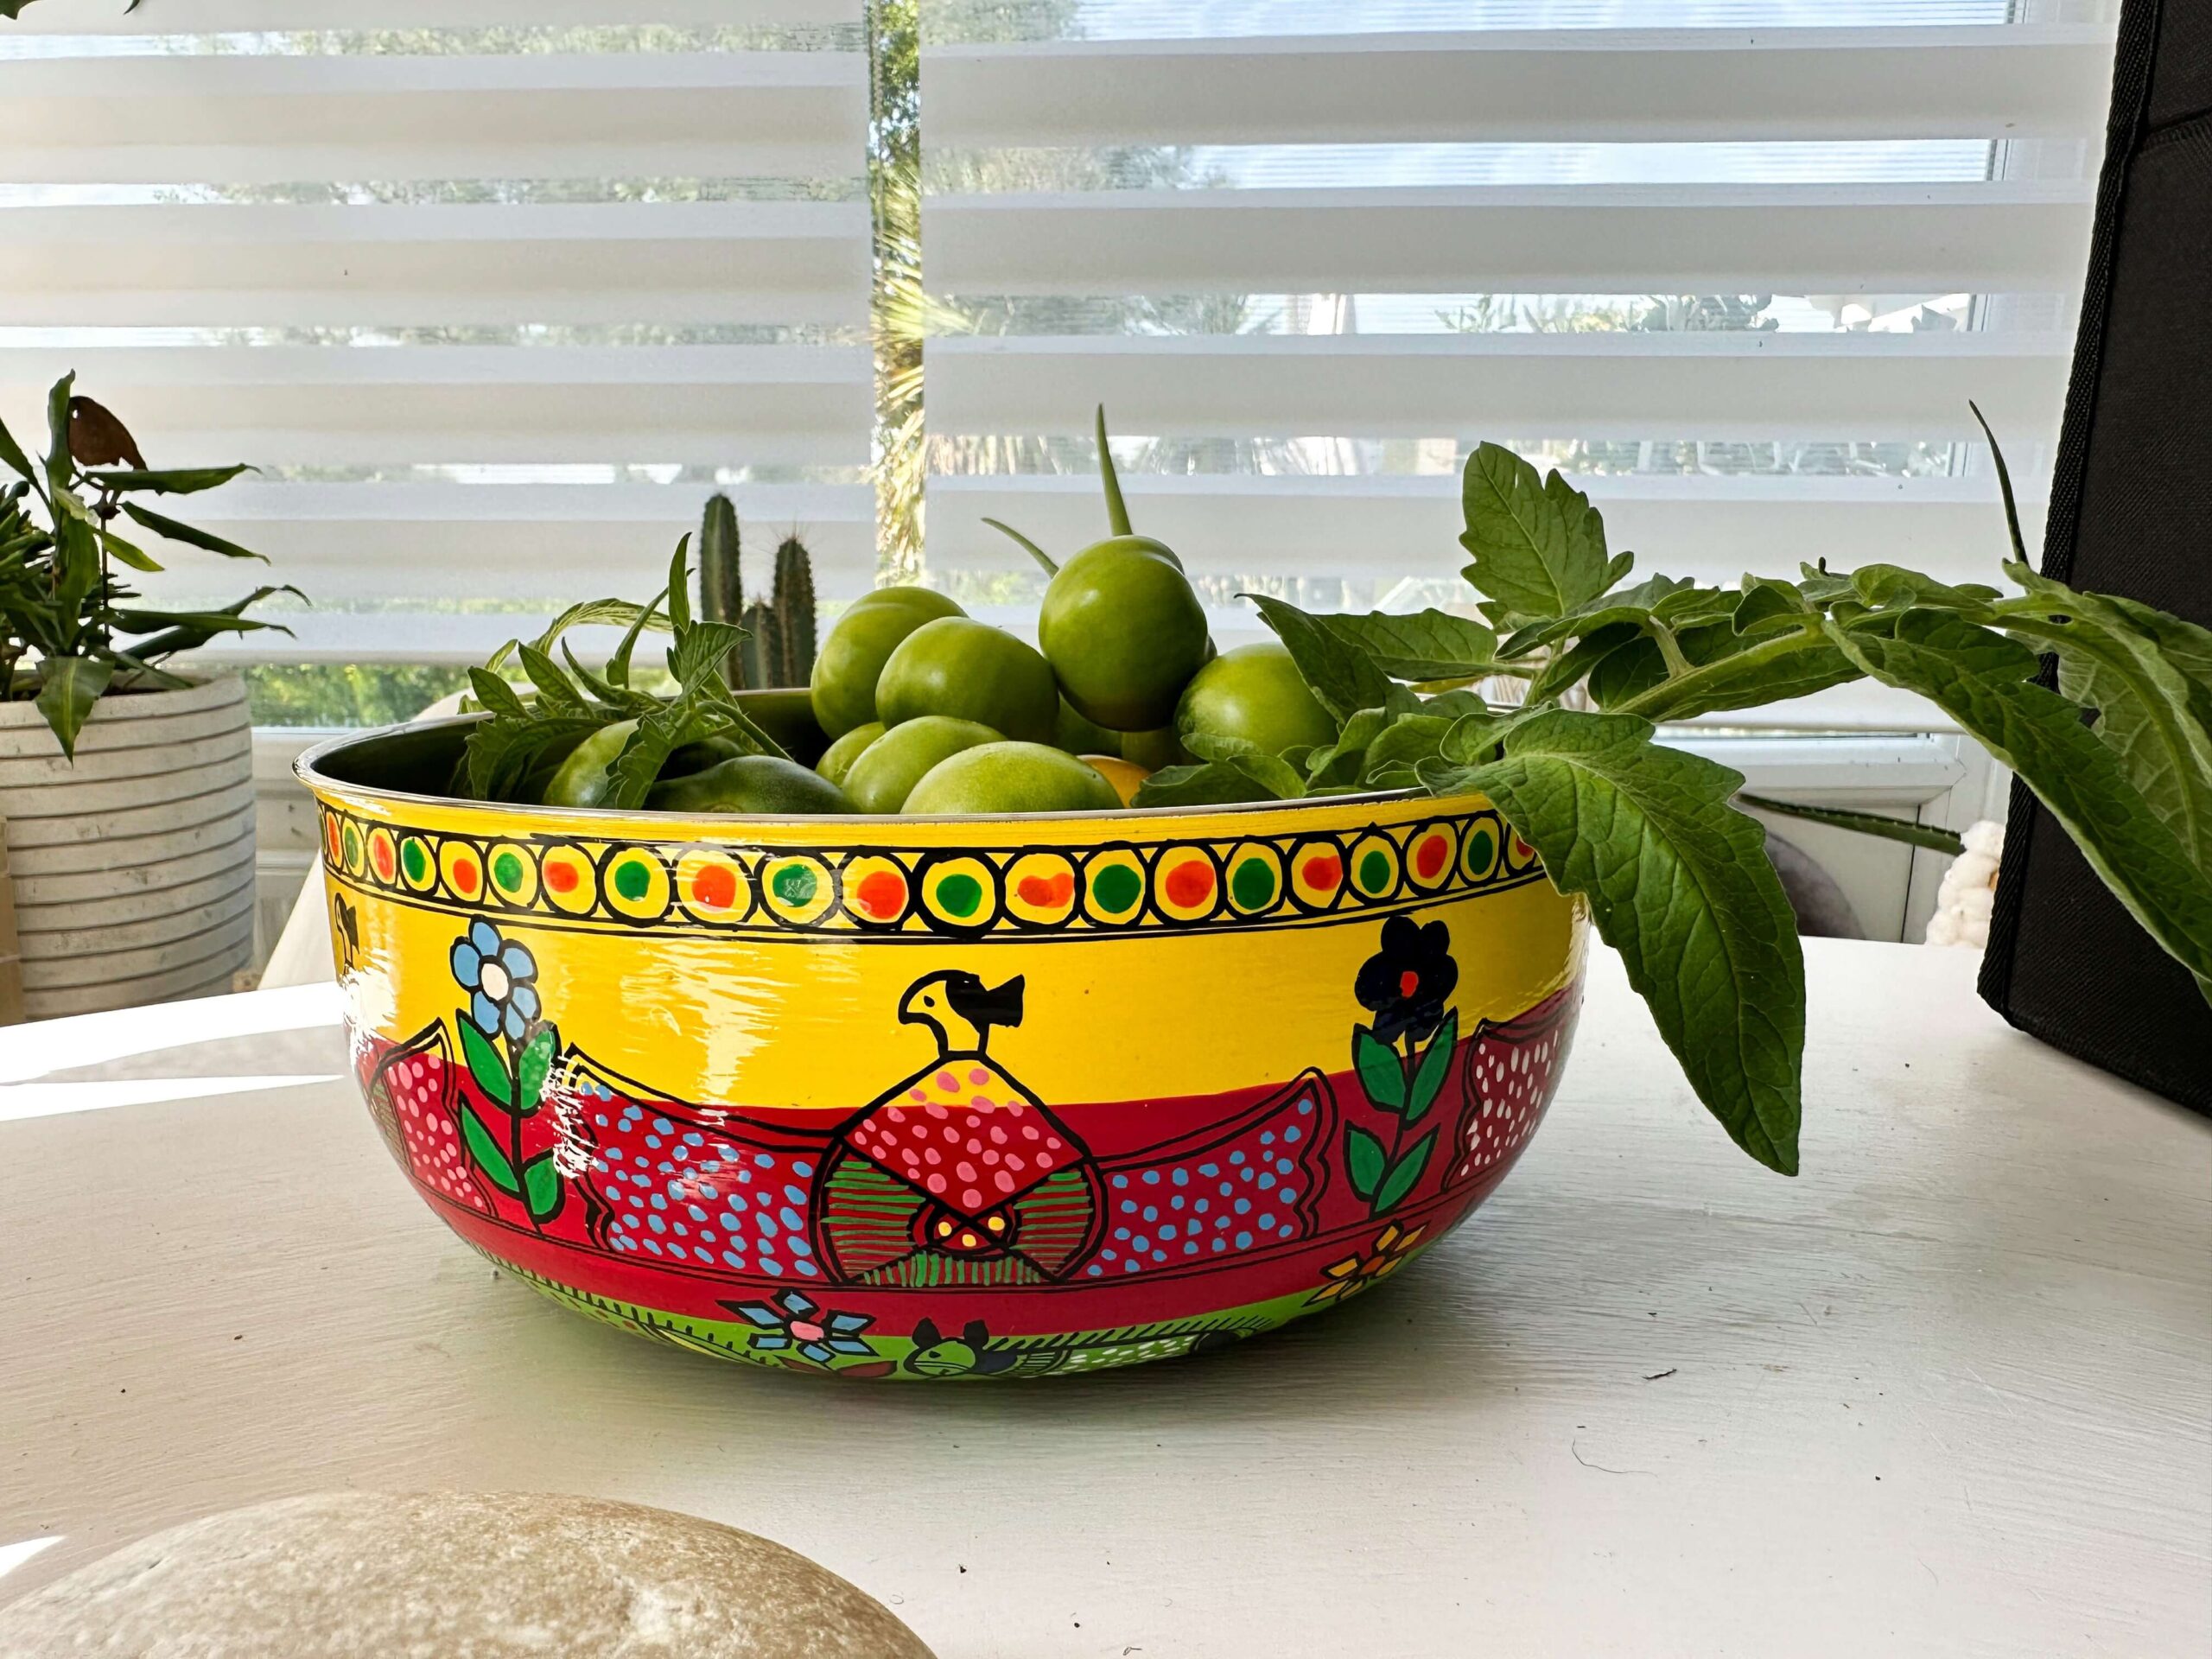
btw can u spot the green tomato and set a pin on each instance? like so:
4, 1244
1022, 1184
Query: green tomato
751, 782
1011, 777
582, 780
850, 661
1124, 632
1077, 735
1254, 694
1153, 750
697, 757
970, 670
879, 780
837, 760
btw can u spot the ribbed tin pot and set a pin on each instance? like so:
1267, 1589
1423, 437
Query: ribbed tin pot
133, 867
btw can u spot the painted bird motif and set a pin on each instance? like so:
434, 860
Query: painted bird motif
957, 1174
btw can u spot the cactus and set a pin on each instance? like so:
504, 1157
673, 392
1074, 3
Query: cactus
793, 601
760, 655
722, 581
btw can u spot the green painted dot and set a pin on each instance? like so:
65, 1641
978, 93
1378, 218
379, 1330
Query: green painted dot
415, 859
1117, 887
959, 895
352, 846
1252, 884
506, 871
793, 884
1479, 849
632, 878
1375, 872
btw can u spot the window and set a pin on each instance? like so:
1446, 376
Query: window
494, 292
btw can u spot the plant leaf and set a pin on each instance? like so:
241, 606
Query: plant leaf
1381, 1074
1404, 1175
1752, 674
1435, 1065
12, 452
1981, 680
542, 1190
1429, 645
485, 1065
186, 480
1539, 546
1679, 884
127, 553
484, 1147
1363, 1161
163, 525
1341, 676
1226, 782
557, 693
1933, 837
2149, 677
1410, 740
58, 462
68, 687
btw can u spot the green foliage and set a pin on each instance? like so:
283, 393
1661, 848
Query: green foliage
509, 754
1676, 877
70, 630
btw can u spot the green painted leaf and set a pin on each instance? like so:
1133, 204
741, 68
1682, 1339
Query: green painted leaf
533, 1067
1435, 1065
1539, 546
1382, 1073
1429, 645
485, 1065
1339, 674
541, 1187
68, 687
1364, 1159
1981, 680
1404, 1175
1679, 884
484, 1147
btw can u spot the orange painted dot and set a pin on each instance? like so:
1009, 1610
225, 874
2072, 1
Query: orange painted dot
1522, 848
1322, 871
380, 855
881, 894
466, 878
1429, 857
1190, 885
714, 888
562, 876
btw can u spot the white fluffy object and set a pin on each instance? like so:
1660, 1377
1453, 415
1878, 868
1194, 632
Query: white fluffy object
1969, 888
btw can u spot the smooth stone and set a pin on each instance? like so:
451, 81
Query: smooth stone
349, 1575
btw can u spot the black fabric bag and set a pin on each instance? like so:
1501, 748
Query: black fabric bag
2130, 513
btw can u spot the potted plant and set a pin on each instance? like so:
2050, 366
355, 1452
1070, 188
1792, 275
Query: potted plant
866, 1030
126, 786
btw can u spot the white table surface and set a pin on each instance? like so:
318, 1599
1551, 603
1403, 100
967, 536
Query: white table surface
1948, 1393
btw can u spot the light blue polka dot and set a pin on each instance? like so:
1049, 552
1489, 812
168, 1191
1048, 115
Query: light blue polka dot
1180, 1176
1243, 1241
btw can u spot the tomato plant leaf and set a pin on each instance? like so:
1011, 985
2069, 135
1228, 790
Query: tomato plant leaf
1340, 675
1679, 884
1539, 546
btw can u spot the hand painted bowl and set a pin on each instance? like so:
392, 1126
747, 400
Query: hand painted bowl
943, 1098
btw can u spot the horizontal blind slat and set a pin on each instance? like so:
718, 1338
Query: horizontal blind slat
1711, 528
335, 406
1524, 86
245, 16
144, 119
280, 265
550, 543
1746, 387
1579, 239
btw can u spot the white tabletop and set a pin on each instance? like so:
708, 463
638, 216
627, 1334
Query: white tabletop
1948, 1393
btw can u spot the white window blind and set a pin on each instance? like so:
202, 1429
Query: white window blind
1740, 278
494, 291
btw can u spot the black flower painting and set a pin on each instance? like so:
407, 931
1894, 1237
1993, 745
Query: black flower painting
1408, 982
